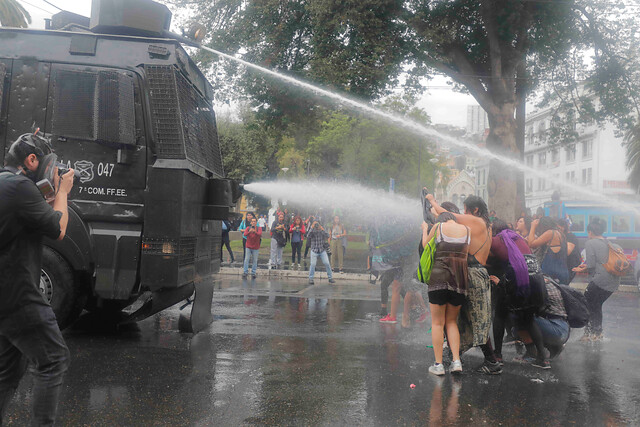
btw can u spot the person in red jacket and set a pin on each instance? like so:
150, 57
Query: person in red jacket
253, 233
296, 231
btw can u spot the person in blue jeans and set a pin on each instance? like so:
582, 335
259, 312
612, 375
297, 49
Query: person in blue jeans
253, 236
318, 236
246, 222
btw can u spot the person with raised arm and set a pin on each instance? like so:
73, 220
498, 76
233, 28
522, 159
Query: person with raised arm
475, 318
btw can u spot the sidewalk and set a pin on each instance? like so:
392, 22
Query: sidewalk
353, 275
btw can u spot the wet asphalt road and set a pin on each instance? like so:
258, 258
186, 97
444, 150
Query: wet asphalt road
282, 353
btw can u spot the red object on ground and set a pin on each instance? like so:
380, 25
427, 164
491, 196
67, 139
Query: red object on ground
412, 386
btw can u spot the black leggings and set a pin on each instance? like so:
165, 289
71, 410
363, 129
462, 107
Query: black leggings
226, 243
500, 320
306, 248
595, 296
525, 321
296, 247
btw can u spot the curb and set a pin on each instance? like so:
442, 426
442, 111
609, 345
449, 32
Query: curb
322, 274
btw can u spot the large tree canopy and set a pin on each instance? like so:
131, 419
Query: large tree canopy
500, 51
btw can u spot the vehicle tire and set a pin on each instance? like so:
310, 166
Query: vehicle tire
59, 288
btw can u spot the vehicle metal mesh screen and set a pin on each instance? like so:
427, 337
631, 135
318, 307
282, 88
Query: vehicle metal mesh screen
199, 127
94, 106
184, 122
116, 114
3, 73
74, 104
187, 251
165, 112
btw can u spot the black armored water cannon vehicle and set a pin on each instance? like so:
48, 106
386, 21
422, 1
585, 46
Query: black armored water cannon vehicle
125, 106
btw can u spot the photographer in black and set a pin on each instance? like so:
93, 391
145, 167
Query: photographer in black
29, 333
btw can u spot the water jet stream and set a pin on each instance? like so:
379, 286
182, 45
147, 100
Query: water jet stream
368, 204
425, 131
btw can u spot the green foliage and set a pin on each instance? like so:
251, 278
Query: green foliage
247, 148
12, 14
370, 152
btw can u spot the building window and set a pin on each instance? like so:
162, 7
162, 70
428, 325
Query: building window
571, 153
577, 223
530, 135
587, 149
587, 176
529, 185
571, 177
529, 160
542, 132
621, 224
542, 159
555, 155
541, 184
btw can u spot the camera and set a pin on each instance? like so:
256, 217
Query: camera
62, 169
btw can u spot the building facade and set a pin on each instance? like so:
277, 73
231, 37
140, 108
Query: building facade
477, 120
595, 160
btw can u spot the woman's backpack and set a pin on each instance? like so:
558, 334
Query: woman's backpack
575, 304
617, 263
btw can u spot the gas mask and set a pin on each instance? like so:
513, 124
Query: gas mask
38, 144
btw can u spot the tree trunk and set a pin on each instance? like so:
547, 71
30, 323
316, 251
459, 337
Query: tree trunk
502, 185
521, 111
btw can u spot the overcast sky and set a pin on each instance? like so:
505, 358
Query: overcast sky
442, 104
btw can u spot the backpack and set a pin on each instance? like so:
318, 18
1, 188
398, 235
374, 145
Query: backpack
537, 297
575, 304
617, 263
426, 261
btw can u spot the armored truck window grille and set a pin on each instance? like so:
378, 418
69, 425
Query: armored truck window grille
199, 128
185, 132
94, 106
3, 73
165, 114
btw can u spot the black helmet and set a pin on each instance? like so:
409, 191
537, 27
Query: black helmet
25, 145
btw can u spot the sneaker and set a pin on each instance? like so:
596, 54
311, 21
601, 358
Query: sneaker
541, 363
245, 275
456, 367
253, 276
498, 357
299, 266
437, 369
388, 319
311, 281
332, 281
490, 368
422, 318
